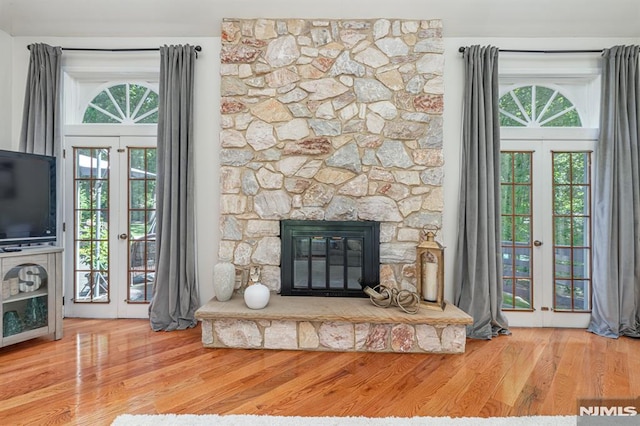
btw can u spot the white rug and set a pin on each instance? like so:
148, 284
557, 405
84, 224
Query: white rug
235, 420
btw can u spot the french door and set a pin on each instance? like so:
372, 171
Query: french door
546, 232
110, 224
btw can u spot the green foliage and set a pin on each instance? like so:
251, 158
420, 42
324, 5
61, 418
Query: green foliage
571, 198
92, 203
516, 196
142, 190
571, 222
123, 103
93, 231
537, 106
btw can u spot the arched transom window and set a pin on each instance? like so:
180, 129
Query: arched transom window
125, 103
537, 106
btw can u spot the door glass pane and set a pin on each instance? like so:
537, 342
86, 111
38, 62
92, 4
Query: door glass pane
516, 220
580, 200
562, 262
142, 223
580, 262
506, 169
579, 169
572, 230
522, 199
582, 295
581, 233
136, 189
91, 227
523, 294
562, 200
100, 193
507, 199
507, 228
523, 262
522, 228
522, 167
563, 295
562, 231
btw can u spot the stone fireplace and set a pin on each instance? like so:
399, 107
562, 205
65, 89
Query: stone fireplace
330, 120
324, 122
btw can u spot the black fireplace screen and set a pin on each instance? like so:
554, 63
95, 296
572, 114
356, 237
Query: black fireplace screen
324, 258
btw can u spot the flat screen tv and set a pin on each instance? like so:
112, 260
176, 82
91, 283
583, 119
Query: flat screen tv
27, 198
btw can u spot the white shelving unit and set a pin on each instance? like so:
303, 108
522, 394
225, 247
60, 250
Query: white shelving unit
31, 294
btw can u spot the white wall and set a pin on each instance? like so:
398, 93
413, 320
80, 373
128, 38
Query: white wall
5, 91
207, 106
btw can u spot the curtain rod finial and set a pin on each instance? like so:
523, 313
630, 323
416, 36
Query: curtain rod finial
461, 49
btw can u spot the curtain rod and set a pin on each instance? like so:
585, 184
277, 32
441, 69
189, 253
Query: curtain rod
463, 48
90, 49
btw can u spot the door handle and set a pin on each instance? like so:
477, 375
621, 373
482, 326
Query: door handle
123, 236
537, 243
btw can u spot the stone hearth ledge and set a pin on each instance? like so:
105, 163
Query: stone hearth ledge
331, 324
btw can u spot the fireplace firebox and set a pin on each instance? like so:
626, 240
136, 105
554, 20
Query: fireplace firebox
329, 258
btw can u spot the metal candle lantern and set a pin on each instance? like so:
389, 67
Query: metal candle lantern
430, 264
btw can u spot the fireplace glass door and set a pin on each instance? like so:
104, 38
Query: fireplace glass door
328, 263
329, 258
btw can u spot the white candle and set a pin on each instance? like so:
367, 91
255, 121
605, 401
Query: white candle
430, 285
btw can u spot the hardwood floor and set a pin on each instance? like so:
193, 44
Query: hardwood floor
103, 368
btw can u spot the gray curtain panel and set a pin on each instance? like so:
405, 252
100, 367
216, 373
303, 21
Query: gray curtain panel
175, 292
40, 132
616, 215
478, 264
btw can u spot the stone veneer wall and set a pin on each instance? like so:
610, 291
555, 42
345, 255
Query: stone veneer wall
330, 120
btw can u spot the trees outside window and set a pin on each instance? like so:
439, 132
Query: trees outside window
126, 103
537, 106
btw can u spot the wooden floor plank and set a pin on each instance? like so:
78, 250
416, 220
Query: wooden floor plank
562, 389
103, 368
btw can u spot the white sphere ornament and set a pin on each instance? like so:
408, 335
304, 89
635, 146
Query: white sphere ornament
256, 296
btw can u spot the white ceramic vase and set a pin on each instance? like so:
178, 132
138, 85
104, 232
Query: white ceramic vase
224, 279
256, 296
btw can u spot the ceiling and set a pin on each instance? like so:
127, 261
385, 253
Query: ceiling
201, 18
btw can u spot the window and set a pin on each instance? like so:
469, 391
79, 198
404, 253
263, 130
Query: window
572, 230
516, 217
537, 106
126, 103
91, 242
545, 197
110, 124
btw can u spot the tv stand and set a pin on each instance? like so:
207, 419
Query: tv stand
31, 297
